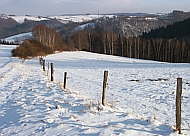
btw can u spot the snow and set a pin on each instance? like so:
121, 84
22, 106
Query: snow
78, 18
22, 19
63, 18
151, 18
19, 37
82, 27
140, 96
145, 18
3, 16
5, 54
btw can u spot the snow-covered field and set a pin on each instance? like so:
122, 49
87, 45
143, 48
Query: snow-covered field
140, 96
5, 53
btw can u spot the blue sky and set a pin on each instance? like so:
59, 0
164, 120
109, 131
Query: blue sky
58, 7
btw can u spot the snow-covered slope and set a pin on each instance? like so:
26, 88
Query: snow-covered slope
140, 96
63, 19
141, 88
84, 26
19, 38
78, 18
22, 19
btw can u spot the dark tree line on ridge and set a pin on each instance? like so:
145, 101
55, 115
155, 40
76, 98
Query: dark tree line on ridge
179, 30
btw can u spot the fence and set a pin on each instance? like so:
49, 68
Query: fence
50, 72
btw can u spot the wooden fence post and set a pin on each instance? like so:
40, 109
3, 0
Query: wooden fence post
44, 67
40, 60
178, 104
65, 80
104, 87
48, 69
52, 71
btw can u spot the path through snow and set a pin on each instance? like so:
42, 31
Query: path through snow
32, 105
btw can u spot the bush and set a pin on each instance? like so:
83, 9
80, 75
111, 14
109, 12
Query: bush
31, 48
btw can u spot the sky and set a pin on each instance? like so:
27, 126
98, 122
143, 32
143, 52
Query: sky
59, 7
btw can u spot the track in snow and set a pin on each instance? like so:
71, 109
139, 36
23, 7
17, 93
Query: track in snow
31, 105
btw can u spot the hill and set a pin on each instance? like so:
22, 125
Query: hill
11, 24
129, 24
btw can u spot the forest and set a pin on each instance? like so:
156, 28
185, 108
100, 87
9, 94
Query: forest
179, 30
167, 44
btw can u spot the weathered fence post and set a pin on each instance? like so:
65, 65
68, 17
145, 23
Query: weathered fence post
178, 104
48, 69
104, 87
44, 67
40, 60
65, 80
52, 71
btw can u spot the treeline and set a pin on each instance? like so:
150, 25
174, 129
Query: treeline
45, 41
166, 50
49, 37
105, 42
177, 30
8, 42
